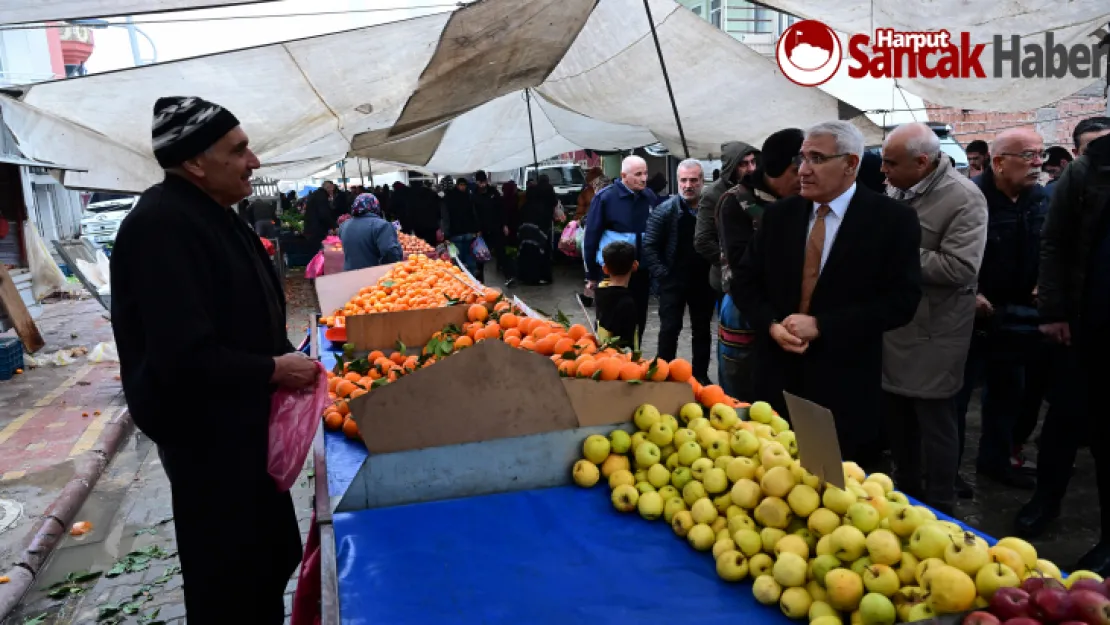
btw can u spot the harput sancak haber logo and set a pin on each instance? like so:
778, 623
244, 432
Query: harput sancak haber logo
809, 54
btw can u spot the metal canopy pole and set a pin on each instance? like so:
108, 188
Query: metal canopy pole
361, 179
667, 79
531, 131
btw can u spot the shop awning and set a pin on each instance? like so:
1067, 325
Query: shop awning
444, 93
12, 159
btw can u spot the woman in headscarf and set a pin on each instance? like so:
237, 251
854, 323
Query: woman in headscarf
534, 261
368, 239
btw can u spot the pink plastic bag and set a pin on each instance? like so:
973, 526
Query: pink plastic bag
315, 266
294, 417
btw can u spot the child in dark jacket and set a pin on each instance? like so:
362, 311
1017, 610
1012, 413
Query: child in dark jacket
616, 306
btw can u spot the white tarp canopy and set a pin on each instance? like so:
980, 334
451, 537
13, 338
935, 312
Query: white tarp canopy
1071, 22
20, 11
444, 93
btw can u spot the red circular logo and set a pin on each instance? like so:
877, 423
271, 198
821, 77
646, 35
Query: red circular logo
808, 53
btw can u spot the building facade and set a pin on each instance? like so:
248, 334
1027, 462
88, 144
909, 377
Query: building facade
756, 26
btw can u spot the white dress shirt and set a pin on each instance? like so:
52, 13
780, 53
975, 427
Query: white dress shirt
837, 209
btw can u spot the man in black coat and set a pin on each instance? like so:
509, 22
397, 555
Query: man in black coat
827, 273
198, 315
320, 213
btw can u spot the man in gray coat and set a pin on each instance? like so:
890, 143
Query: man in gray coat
738, 159
923, 361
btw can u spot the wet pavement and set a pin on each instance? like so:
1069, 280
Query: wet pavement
130, 506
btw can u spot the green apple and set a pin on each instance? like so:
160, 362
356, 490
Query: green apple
808, 537
884, 547
722, 545
703, 511
774, 455
690, 411
827, 620
874, 490
667, 451
650, 506
848, 543
743, 443
700, 467
700, 537
844, 588
795, 603
905, 599
1027, 552
773, 512
792, 543
929, 541
684, 435
619, 441
693, 491
640, 475
722, 462
779, 425
672, 461
667, 491
1075, 576
994, 576
661, 434
680, 477
625, 497
742, 522
819, 608
789, 440
766, 590
906, 568
672, 506
723, 417
681, 523
815, 590
882, 579
747, 541
777, 482
732, 566
1010, 558
863, 516
645, 487
950, 590
824, 546
647, 454
770, 537
723, 502
898, 497
706, 435
595, 448
764, 432
585, 473
720, 526
921, 612
761, 412
838, 500
821, 565
854, 471
734, 510
1048, 569
697, 424
823, 521
671, 421
924, 567
905, 522
613, 463
623, 476
968, 552
860, 565
760, 565
658, 476
881, 479
717, 449
688, 453
645, 417
740, 469
876, 609
639, 438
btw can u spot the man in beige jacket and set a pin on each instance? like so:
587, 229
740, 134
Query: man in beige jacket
923, 361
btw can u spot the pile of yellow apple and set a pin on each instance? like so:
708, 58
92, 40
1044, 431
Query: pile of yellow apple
863, 554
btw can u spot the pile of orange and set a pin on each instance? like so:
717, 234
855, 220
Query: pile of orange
414, 245
572, 348
417, 283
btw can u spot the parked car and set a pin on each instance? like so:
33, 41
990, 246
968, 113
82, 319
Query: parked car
102, 217
567, 179
948, 145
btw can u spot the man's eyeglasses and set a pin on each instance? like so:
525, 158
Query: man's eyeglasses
816, 158
1027, 155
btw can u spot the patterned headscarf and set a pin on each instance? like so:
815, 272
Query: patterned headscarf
366, 203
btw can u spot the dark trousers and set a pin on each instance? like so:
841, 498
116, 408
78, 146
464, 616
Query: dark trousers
1013, 385
427, 234
640, 285
924, 432
676, 294
232, 533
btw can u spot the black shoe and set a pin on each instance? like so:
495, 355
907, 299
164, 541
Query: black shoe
963, 489
1096, 560
1035, 517
1009, 476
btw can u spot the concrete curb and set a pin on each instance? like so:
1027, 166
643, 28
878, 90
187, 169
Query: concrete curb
60, 514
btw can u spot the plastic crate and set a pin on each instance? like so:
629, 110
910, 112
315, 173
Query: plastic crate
11, 357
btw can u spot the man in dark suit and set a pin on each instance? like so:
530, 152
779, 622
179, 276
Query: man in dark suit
824, 277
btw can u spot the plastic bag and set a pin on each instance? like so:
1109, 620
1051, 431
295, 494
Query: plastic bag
315, 266
294, 416
104, 352
46, 277
580, 240
480, 250
567, 240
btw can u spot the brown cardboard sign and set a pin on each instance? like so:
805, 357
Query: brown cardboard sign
604, 403
818, 446
485, 392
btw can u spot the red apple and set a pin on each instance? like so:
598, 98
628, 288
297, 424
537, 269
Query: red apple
1091, 585
1033, 584
981, 618
1022, 620
1090, 607
1052, 604
1010, 603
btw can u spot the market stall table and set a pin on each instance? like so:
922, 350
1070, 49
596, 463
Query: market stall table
550, 555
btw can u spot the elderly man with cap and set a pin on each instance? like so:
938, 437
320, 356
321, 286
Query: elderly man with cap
198, 315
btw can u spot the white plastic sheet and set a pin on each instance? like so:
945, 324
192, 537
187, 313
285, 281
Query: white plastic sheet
442, 93
19, 11
46, 276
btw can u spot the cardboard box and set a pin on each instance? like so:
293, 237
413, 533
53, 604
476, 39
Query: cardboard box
382, 330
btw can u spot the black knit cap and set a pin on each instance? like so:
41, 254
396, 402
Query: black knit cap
780, 150
186, 126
